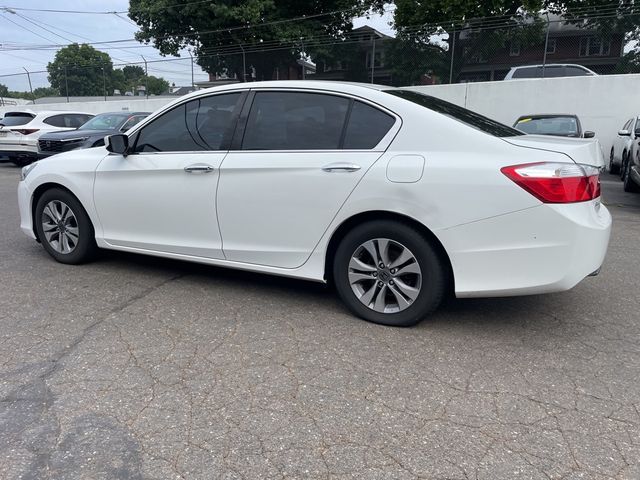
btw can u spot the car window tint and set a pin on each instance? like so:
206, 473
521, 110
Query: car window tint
295, 121
529, 72
197, 125
471, 119
560, 126
131, 122
12, 119
55, 121
366, 127
575, 72
554, 71
74, 120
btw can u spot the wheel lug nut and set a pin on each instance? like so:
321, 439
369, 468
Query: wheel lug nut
375, 274
380, 284
381, 265
391, 282
393, 270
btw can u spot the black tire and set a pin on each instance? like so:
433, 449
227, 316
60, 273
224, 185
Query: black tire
628, 184
612, 167
20, 162
623, 166
432, 267
85, 248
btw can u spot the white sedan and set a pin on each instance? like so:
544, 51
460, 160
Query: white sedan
394, 196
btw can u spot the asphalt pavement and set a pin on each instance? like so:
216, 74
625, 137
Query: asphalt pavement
135, 367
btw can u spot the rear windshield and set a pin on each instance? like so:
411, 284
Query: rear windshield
552, 125
16, 118
460, 114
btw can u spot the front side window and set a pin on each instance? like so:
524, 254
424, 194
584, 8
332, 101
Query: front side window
528, 72
199, 125
295, 121
469, 118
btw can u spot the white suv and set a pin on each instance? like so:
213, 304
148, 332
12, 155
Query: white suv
19, 131
550, 70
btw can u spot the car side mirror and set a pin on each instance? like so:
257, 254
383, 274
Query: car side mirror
117, 144
589, 134
624, 133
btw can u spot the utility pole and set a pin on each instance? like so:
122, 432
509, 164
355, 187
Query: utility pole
104, 84
66, 83
30, 87
373, 56
546, 44
146, 77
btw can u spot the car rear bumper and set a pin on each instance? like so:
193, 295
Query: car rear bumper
25, 149
544, 249
24, 205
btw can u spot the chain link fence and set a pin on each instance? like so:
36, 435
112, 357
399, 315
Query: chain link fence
471, 51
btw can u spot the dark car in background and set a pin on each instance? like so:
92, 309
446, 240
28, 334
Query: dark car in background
559, 125
89, 135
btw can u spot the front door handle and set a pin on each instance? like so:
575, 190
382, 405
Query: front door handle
341, 167
199, 168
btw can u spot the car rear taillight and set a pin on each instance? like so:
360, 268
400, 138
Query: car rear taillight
25, 131
556, 182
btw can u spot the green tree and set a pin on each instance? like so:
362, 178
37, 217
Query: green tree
85, 70
4, 91
157, 86
171, 27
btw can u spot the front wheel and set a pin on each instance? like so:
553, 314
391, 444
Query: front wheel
612, 167
387, 272
64, 228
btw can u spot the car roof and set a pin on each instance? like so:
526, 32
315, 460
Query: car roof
549, 115
124, 112
551, 65
47, 112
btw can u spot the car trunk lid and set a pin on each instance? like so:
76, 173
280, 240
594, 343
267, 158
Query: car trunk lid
584, 151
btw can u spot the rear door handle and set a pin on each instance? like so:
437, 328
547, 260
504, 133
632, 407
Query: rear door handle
341, 167
199, 168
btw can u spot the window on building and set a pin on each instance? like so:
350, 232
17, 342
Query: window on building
594, 46
514, 50
551, 46
378, 61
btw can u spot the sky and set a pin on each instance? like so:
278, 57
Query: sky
30, 28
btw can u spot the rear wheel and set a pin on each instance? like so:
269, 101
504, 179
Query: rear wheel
388, 273
64, 228
628, 184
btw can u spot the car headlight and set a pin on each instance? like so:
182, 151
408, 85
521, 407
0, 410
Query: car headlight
25, 170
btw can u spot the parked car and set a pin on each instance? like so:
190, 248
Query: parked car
20, 130
364, 186
631, 172
623, 146
561, 125
89, 135
550, 70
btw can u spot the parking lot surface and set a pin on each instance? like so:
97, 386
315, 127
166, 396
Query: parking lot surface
141, 368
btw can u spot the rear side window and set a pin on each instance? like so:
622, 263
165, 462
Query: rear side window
12, 119
367, 125
295, 121
67, 120
472, 119
553, 72
530, 72
197, 125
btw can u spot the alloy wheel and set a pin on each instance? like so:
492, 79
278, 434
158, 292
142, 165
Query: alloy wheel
60, 227
385, 275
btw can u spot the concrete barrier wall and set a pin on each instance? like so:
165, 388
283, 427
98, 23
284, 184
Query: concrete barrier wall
602, 103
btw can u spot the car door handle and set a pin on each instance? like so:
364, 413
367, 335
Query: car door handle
341, 167
199, 168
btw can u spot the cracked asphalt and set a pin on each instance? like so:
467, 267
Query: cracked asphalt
140, 368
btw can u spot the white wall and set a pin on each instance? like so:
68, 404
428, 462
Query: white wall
602, 103
133, 104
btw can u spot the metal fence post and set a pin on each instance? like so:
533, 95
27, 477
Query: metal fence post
104, 84
373, 56
546, 44
453, 51
66, 83
30, 87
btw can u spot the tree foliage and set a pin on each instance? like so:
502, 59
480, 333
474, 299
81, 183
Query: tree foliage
211, 30
81, 68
